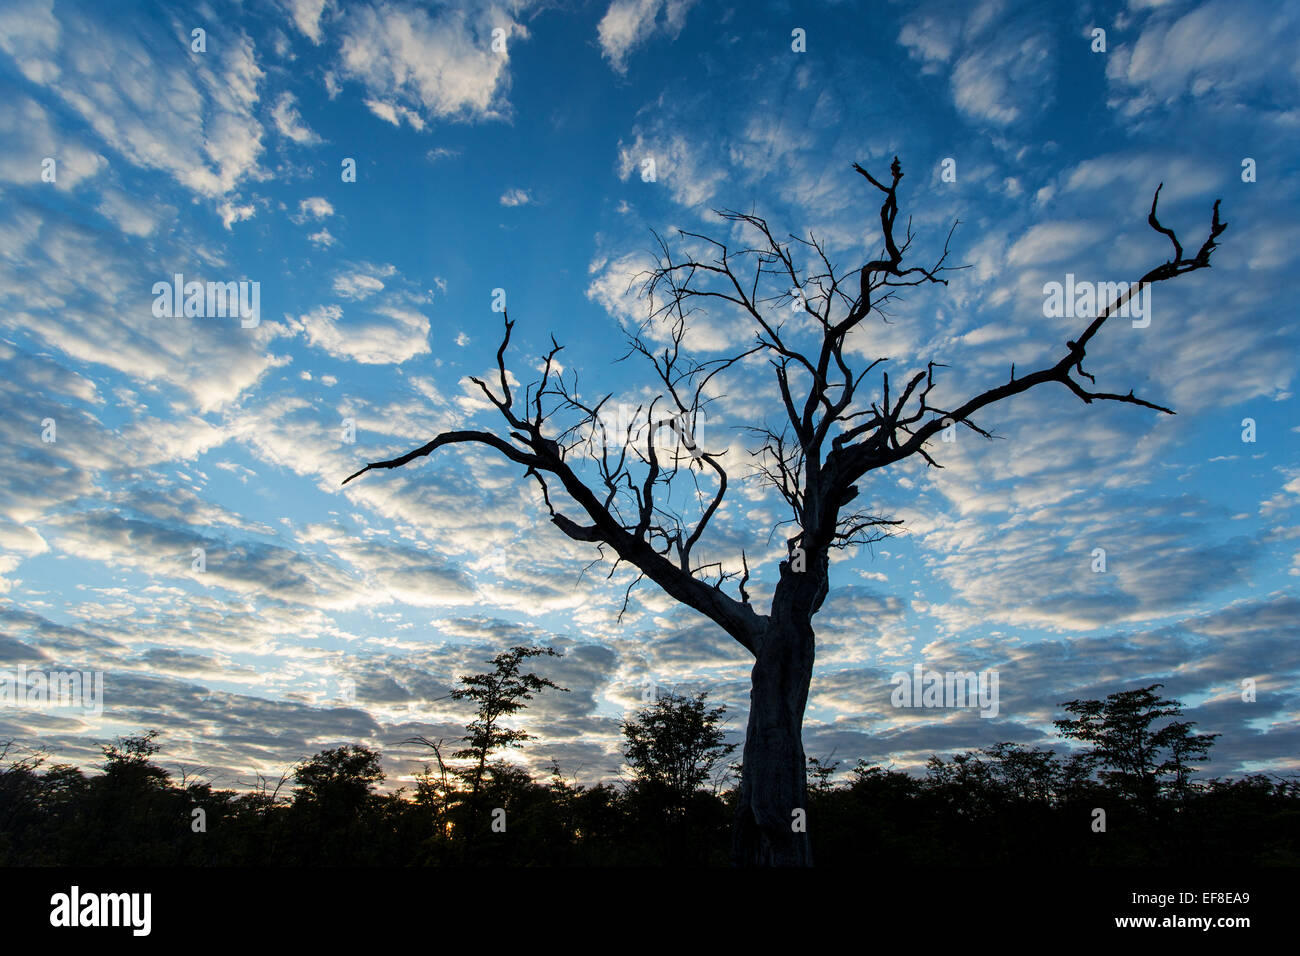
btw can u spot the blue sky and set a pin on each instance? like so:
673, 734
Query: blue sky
521, 169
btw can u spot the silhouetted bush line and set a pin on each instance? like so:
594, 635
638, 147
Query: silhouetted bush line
1004, 804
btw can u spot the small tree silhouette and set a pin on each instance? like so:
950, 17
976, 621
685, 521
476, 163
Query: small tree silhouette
1136, 758
498, 693
675, 746
128, 764
340, 779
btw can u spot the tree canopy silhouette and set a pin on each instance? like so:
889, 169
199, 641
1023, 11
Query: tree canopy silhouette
1135, 757
1006, 803
675, 745
498, 693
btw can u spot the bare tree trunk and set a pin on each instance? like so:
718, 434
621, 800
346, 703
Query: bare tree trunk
771, 812
818, 484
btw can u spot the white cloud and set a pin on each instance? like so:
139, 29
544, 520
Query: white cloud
30, 34
362, 282
51, 268
516, 197
17, 543
930, 39
28, 137
1219, 53
314, 207
232, 212
690, 177
999, 83
196, 124
1049, 242
628, 24
306, 16
132, 215
1133, 173
386, 335
615, 285
394, 114
1000, 64
441, 65
356, 286
289, 121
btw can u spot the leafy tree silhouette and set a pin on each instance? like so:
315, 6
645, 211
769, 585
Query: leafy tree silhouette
340, 779
334, 802
1006, 803
128, 764
676, 745
1136, 758
132, 810
498, 693
674, 748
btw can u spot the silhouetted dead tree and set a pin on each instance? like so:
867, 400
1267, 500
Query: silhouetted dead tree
833, 434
